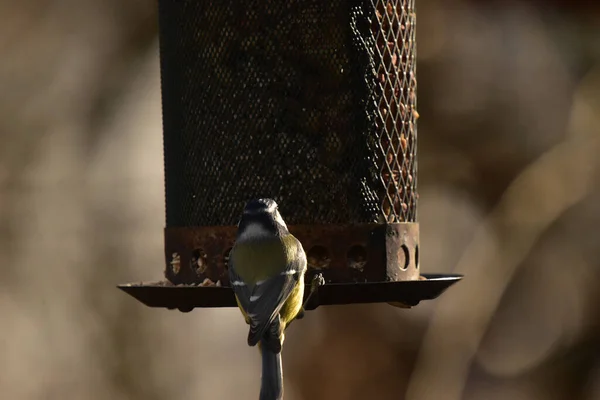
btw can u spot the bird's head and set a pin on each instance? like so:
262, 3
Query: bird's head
261, 219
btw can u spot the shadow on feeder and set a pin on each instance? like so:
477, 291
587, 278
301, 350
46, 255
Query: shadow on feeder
313, 105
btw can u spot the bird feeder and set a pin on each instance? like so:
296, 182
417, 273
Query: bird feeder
311, 103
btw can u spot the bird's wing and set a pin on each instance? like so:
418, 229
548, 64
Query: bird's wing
241, 290
270, 295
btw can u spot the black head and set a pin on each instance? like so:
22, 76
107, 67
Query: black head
258, 206
261, 219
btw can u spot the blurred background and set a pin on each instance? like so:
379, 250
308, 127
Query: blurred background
509, 98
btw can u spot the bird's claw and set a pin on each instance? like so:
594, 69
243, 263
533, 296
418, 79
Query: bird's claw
316, 282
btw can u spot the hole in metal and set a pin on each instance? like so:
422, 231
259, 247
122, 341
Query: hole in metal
318, 257
417, 256
226, 258
199, 261
175, 263
406, 255
357, 257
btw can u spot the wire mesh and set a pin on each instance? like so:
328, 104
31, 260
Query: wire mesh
311, 103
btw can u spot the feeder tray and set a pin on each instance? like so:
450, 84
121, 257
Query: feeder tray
312, 104
187, 297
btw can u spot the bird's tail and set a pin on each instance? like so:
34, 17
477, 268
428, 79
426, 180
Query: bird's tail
271, 387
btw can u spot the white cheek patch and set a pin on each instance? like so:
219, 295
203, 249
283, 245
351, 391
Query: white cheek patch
289, 272
272, 207
279, 220
253, 231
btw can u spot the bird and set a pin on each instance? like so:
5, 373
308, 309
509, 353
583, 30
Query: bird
267, 265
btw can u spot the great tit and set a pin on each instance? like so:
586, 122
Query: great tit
266, 270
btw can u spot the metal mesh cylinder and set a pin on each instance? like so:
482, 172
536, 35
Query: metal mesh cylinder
311, 103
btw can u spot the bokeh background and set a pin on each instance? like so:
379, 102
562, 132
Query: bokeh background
509, 98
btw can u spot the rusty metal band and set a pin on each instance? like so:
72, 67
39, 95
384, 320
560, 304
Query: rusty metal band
342, 253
